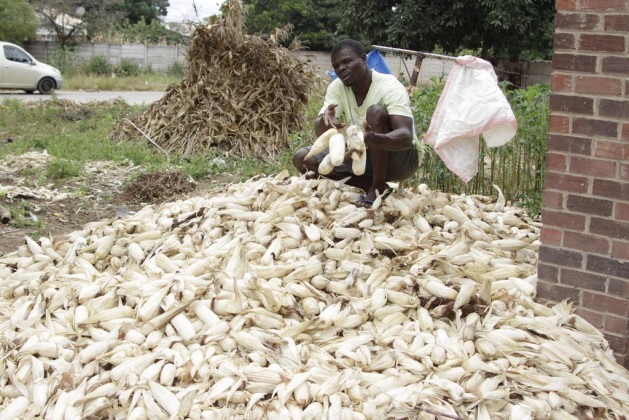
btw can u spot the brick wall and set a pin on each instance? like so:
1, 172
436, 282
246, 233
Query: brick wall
584, 255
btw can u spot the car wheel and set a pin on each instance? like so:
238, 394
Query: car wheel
46, 85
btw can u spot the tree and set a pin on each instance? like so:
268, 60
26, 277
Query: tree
149, 10
71, 20
17, 21
499, 29
314, 22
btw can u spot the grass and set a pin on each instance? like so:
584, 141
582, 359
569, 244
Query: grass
81, 133
142, 82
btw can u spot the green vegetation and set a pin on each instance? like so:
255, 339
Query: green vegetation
60, 168
517, 167
22, 217
144, 81
17, 21
98, 66
81, 134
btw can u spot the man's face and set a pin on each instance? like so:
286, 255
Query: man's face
349, 66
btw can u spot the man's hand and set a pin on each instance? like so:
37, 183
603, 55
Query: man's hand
329, 117
369, 136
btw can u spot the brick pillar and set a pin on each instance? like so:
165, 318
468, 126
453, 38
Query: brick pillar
584, 252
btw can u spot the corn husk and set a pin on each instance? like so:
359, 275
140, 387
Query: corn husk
296, 303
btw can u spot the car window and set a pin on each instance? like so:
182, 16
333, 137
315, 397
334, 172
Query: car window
13, 54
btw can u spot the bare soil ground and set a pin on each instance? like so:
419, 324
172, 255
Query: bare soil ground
105, 190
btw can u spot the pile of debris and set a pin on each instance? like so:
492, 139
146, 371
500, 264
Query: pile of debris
241, 92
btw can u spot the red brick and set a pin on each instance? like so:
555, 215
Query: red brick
565, 182
618, 287
576, 21
561, 82
619, 65
589, 205
556, 292
598, 84
573, 62
559, 256
618, 23
559, 124
625, 131
594, 167
563, 41
611, 189
608, 227
550, 236
613, 109
603, 5
549, 273
591, 127
616, 325
594, 318
620, 250
603, 43
605, 303
589, 243
616, 342
552, 200
556, 162
582, 279
622, 211
612, 150
571, 103
565, 4
609, 266
624, 172
576, 145
564, 220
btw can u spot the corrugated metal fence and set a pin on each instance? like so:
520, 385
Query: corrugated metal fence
162, 57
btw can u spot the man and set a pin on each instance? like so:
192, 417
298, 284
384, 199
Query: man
378, 103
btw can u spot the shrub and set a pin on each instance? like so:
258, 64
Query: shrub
127, 68
66, 60
177, 69
99, 66
63, 168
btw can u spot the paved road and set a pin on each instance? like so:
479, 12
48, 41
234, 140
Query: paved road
132, 98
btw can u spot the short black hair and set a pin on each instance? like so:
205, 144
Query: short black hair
352, 44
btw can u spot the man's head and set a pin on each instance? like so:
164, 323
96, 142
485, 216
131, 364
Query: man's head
349, 61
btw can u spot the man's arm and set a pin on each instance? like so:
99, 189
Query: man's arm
399, 138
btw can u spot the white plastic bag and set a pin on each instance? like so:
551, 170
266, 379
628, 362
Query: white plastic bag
471, 104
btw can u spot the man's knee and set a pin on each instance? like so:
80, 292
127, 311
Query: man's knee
299, 160
378, 118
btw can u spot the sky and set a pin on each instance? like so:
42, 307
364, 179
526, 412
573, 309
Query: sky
180, 10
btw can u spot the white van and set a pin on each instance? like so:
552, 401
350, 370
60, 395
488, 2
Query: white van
19, 70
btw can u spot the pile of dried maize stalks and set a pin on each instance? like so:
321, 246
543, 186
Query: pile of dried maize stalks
278, 298
240, 92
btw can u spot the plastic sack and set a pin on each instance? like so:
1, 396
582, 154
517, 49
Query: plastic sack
471, 104
375, 61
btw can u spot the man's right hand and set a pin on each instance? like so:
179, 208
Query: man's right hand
329, 118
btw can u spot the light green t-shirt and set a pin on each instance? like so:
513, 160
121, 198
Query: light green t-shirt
385, 90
